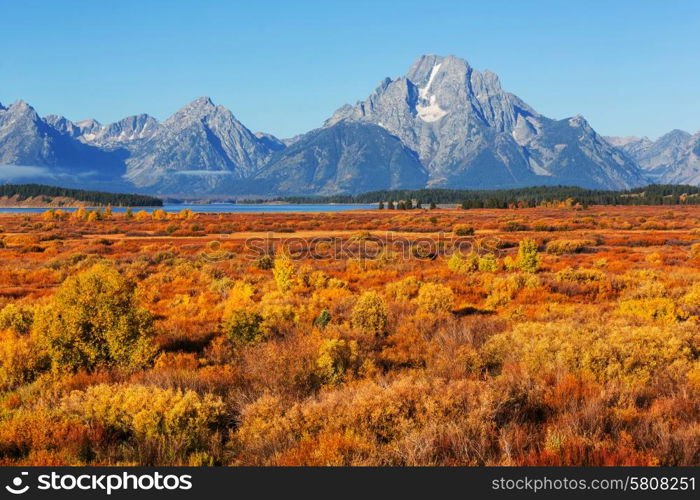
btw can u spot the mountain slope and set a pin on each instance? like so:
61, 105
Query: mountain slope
669, 159
343, 158
469, 132
201, 148
26, 140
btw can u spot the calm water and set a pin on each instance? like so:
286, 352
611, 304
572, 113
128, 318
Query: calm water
217, 208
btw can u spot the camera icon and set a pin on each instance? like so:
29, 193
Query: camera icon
16, 488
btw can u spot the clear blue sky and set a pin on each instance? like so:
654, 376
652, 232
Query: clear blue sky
630, 67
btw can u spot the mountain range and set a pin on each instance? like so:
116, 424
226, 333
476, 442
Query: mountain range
443, 124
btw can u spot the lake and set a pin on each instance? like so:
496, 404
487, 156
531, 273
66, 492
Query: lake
215, 208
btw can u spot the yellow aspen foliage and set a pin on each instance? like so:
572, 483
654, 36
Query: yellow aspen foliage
21, 360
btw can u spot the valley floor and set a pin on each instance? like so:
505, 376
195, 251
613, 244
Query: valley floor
542, 336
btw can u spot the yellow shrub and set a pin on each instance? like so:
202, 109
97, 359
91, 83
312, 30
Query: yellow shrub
335, 357
21, 360
93, 320
488, 263
610, 351
284, 272
654, 258
528, 257
559, 247
434, 297
405, 289
18, 318
658, 309
460, 263
579, 275
370, 313
147, 411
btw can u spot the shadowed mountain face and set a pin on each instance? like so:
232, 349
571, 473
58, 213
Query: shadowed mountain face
673, 158
344, 158
443, 124
31, 147
469, 132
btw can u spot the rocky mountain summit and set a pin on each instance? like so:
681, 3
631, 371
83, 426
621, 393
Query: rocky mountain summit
469, 132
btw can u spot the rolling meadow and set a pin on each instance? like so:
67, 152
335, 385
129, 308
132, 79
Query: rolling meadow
554, 335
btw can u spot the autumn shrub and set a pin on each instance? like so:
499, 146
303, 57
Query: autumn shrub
657, 309
284, 272
385, 421
434, 298
695, 251
514, 225
93, 320
277, 317
179, 422
608, 351
509, 263
528, 257
463, 230
323, 319
21, 360
17, 318
243, 326
503, 289
579, 275
488, 263
335, 358
370, 313
461, 263
559, 247
266, 262
405, 289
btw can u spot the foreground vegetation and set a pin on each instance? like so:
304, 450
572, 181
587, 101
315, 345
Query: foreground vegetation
555, 336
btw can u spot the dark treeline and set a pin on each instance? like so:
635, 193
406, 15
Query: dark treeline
95, 198
524, 197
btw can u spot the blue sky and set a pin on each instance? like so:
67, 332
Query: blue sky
630, 67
